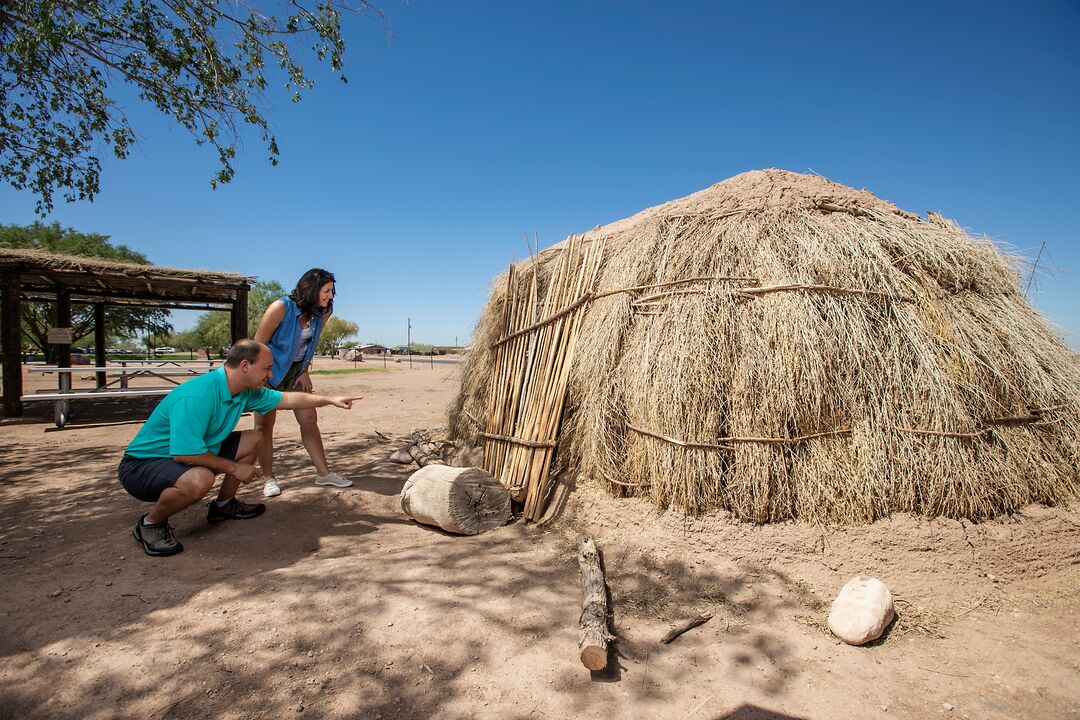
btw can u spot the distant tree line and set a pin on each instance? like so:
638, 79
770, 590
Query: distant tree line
122, 323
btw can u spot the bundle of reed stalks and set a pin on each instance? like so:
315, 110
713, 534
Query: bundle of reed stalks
531, 364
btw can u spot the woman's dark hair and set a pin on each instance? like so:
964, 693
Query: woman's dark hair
306, 293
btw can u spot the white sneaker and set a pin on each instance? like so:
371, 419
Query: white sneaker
332, 478
271, 489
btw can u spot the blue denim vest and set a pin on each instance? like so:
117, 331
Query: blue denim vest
286, 339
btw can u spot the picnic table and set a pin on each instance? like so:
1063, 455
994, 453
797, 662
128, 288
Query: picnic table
122, 372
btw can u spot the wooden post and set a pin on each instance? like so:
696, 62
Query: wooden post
99, 342
11, 342
594, 609
63, 320
238, 318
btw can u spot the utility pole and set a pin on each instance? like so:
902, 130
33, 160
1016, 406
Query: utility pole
408, 337
1034, 267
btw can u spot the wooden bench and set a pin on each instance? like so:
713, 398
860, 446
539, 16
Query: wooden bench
65, 394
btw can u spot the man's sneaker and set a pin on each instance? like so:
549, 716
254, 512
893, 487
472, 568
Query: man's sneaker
156, 539
271, 489
332, 478
233, 510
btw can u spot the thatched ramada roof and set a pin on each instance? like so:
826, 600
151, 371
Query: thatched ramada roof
91, 279
782, 346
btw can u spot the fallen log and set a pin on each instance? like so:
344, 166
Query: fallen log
594, 609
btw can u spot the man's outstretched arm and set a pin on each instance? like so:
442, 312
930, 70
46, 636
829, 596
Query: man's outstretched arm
301, 401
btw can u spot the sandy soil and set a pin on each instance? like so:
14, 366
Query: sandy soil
334, 605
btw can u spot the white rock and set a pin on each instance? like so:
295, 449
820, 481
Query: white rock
862, 610
401, 456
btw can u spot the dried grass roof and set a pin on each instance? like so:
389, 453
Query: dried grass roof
91, 279
782, 346
18, 257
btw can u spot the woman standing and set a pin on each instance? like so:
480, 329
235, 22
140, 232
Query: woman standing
291, 327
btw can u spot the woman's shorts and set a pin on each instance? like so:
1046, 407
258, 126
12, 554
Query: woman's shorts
288, 383
146, 478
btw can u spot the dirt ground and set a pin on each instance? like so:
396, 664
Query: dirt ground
335, 605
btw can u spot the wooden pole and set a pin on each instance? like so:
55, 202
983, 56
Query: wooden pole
1034, 267
11, 343
594, 610
238, 318
99, 342
63, 320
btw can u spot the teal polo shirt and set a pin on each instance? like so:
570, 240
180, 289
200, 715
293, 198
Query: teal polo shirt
197, 417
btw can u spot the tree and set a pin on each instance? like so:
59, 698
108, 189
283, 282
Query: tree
38, 317
259, 298
186, 340
334, 333
212, 329
201, 63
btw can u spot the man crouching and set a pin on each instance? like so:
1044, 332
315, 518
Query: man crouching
190, 438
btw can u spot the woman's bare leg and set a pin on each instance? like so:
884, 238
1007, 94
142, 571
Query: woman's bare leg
312, 438
265, 425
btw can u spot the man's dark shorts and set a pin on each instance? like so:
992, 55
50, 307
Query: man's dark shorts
146, 478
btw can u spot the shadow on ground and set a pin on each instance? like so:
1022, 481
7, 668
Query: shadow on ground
332, 603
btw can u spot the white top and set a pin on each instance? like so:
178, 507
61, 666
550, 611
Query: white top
305, 338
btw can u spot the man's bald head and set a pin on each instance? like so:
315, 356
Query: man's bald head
244, 350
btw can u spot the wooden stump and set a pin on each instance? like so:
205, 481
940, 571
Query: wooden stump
594, 610
465, 501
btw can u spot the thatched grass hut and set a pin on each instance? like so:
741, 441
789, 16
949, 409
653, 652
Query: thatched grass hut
782, 346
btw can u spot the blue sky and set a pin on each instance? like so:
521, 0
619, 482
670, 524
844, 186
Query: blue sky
480, 122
